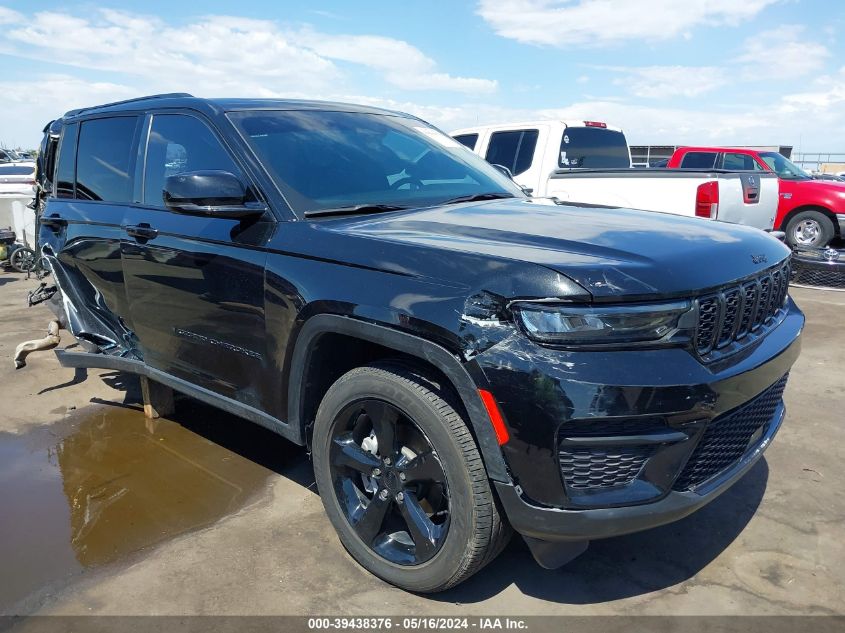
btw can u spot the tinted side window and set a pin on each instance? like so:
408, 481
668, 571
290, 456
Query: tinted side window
468, 140
513, 149
740, 162
104, 159
699, 160
180, 143
66, 165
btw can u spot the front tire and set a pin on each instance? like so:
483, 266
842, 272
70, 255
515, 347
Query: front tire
402, 480
809, 229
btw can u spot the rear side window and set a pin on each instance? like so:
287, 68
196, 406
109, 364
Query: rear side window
740, 162
699, 160
180, 143
513, 149
66, 166
104, 159
467, 140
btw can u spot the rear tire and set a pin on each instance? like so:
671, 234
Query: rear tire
809, 229
469, 530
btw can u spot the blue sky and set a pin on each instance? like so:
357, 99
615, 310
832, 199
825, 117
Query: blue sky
667, 71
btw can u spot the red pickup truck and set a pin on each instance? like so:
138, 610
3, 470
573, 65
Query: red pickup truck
810, 212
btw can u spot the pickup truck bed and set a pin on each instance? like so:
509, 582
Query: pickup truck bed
748, 198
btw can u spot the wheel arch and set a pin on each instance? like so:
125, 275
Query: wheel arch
305, 393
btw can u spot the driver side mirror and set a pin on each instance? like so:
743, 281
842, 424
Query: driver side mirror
212, 193
507, 172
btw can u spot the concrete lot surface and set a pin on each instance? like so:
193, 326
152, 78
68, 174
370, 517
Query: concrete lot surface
207, 514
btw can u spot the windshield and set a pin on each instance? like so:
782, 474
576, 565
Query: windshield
593, 148
330, 160
783, 167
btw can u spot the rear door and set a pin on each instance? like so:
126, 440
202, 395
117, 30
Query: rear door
81, 224
521, 151
195, 284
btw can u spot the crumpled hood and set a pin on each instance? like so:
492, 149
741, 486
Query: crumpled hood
610, 252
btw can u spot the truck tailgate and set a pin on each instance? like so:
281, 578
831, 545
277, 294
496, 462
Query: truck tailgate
749, 198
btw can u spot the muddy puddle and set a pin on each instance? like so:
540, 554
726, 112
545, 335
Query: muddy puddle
105, 483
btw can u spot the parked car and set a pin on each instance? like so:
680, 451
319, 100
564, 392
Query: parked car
811, 212
17, 179
8, 156
459, 358
589, 162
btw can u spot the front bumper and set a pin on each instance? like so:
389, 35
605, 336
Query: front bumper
819, 268
556, 524
608, 443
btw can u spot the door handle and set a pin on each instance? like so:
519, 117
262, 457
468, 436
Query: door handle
142, 231
53, 221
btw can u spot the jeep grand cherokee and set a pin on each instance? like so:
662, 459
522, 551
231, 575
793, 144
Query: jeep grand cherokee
461, 360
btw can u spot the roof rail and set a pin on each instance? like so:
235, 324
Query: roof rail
165, 95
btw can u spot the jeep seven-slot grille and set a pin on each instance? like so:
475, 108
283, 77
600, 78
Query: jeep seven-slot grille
729, 315
727, 438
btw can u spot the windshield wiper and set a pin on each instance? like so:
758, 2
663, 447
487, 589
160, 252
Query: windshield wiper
478, 197
353, 209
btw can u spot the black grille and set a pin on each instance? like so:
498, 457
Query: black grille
810, 269
708, 318
732, 299
731, 314
601, 467
821, 278
726, 439
750, 292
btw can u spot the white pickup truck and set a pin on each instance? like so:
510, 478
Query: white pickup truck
590, 162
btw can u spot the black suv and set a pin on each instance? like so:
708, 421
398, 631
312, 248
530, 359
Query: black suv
459, 358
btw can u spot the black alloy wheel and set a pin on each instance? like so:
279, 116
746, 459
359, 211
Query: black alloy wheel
389, 481
402, 480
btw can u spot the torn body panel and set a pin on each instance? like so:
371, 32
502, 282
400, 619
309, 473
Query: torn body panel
81, 309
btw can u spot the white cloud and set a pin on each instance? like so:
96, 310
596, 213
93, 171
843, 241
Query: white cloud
564, 23
223, 54
662, 82
782, 53
824, 105
403, 65
209, 56
28, 105
8, 16
213, 55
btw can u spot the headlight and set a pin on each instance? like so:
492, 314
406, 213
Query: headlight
596, 324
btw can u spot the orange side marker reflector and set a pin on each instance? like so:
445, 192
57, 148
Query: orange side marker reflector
495, 414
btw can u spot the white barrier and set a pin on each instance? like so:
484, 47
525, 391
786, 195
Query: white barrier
17, 216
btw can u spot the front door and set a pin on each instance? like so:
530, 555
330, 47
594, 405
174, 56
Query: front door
195, 285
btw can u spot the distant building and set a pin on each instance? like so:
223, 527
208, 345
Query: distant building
651, 155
